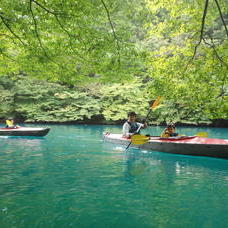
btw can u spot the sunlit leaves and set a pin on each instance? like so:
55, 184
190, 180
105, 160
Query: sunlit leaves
182, 77
67, 40
117, 45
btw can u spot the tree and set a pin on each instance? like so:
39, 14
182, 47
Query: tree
178, 49
189, 66
71, 42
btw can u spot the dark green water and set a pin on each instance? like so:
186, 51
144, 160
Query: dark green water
70, 178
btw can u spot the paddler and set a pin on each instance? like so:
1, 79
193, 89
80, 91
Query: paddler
169, 131
132, 127
10, 123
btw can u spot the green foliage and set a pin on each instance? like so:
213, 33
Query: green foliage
72, 41
189, 68
34, 100
116, 56
119, 99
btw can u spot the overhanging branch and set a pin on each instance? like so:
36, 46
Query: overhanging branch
36, 32
11, 30
7, 56
201, 35
212, 45
60, 24
220, 13
202, 28
113, 29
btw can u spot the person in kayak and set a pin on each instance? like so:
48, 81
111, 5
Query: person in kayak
132, 127
10, 123
169, 131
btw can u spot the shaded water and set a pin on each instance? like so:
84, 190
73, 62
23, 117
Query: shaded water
70, 178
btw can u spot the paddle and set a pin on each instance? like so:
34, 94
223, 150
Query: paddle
153, 106
139, 139
202, 134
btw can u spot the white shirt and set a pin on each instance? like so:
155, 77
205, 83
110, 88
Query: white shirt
126, 129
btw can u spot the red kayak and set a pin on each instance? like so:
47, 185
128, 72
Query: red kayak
186, 145
24, 131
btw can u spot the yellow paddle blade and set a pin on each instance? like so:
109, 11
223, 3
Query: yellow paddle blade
139, 139
202, 134
156, 103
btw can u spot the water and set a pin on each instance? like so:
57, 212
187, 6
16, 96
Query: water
70, 178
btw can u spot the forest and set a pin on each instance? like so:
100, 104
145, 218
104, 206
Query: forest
92, 61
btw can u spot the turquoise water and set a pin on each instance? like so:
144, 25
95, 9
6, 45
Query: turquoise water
70, 178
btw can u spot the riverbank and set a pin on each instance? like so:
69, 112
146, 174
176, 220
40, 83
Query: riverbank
220, 123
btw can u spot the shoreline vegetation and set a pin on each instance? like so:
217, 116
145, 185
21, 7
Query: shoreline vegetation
220, 123
30, 100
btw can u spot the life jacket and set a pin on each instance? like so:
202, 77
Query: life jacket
166, 133
133, 127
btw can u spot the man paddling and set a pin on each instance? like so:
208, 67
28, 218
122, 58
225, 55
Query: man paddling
132, 127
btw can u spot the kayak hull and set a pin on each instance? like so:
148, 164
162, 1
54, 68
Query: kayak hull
194, 146
24, 131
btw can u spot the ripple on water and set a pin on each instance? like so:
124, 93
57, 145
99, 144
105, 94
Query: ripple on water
72, 179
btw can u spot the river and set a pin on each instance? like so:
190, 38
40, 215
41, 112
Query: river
71, 178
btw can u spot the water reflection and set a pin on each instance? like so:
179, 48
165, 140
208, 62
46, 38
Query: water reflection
172, 167
11, 143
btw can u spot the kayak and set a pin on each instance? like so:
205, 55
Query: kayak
24, 131
185, 145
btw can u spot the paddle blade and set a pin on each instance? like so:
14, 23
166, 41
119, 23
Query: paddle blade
202, 134
139, 139
156, 103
